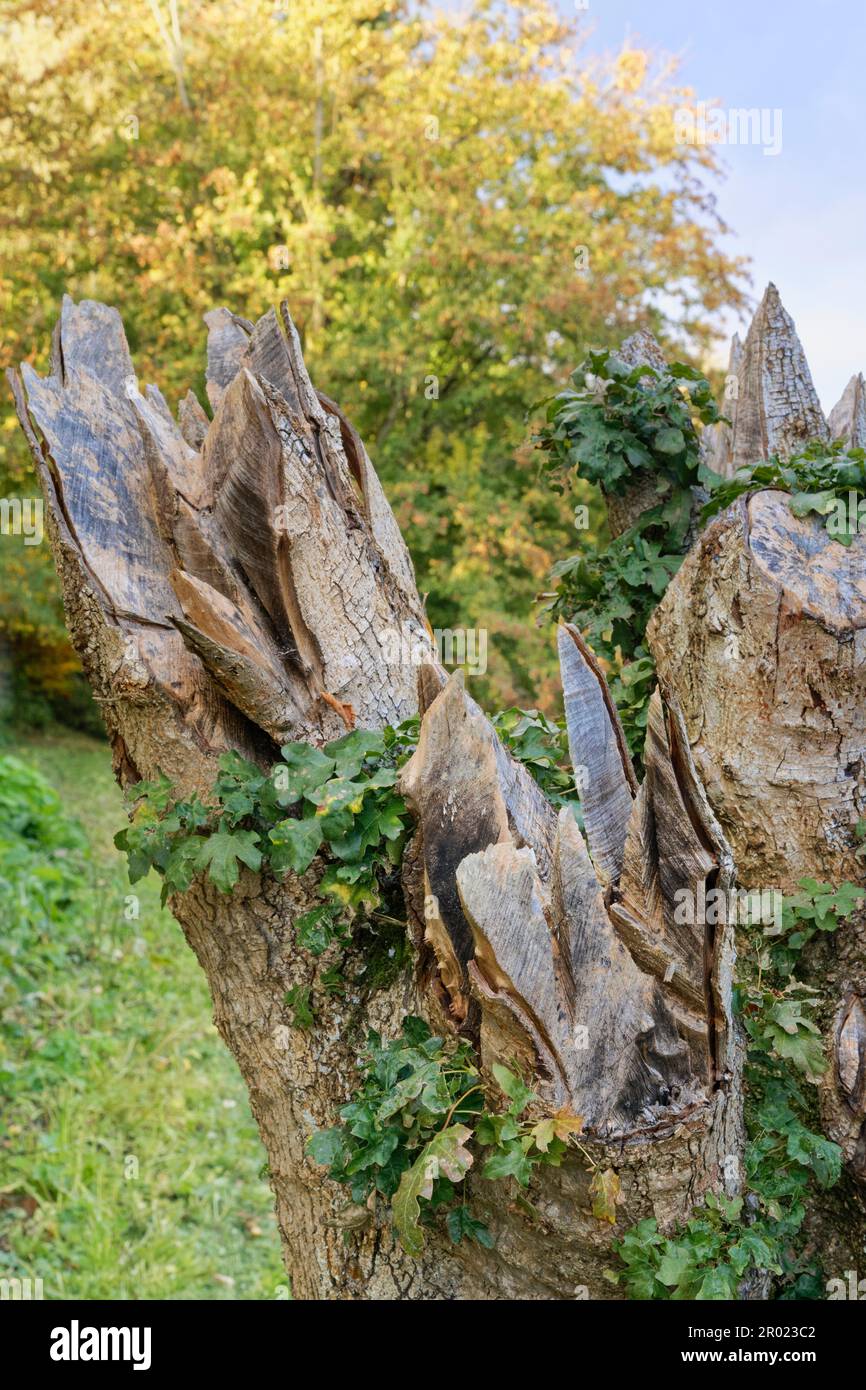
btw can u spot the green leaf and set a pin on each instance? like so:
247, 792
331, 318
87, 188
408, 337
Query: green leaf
446, 1154
719, 1283
157, 793
675, 1265
315, 930
512, 1161
462, 1225
352, 750
296, 843
327, 1147
669, 441
298, 1000
519, 1094
303, 769
804, 502
182, 865
221, 852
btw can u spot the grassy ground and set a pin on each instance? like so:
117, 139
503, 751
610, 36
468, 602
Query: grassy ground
129, 1162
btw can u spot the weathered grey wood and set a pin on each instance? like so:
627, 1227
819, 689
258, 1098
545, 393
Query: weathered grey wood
552, 973
598, 751
193, 420
847, 419
465, 792
777, 409
242, 658
226, 343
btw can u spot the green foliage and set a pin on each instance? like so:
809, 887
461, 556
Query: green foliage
611, 594
414, 1126
823, 478
631, 685
818, 907
541, 744
616, 428
776, 1008
705, 1260
619, 425
338, 801
340, 798
727, 1237
431, 273
783, 1154
41, 852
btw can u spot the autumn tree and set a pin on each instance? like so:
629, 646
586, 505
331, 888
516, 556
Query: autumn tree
453, 209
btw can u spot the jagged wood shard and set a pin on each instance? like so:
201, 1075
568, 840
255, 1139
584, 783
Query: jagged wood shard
528, 930
454, 783
847, 419
777, 410
608, 1043
226, 343
599, 753
193, 420
243, 659
217, 505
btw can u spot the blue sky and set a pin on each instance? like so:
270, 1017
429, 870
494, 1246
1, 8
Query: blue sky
800, 215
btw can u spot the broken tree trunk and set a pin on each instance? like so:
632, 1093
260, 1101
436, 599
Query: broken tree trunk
236, 583
761, 642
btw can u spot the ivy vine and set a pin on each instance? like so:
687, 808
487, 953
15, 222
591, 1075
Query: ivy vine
417, 1123
726, 1238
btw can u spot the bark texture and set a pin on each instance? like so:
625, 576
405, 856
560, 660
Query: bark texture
236, 583
761, 642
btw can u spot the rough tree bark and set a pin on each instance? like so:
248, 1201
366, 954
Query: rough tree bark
231, 584
762, 643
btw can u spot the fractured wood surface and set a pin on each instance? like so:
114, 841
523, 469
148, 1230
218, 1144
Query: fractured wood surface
243, 568
618, 1004
775, 407
229, 584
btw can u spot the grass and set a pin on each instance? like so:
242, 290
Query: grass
130, 1166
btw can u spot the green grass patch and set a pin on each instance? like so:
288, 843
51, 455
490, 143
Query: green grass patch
129, 1161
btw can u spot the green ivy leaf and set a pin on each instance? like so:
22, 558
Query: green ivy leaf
221, 852
462, 1225
316, 929
296, 843
298, 1000
511, 1161
303, 769
519, 1094
354, 749
327, 1147
445, 1154
670, 441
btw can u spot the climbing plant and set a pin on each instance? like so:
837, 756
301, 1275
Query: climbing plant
725, 1238
621, 428
339, 801
826, 479
416, 1124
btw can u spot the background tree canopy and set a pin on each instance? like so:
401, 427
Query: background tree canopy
454, 211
